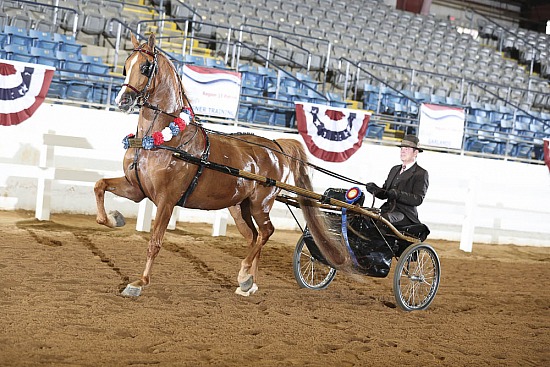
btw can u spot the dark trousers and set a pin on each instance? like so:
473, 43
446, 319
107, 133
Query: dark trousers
397, 218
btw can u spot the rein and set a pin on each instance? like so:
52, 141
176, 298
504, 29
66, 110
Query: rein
317, 168
149, 69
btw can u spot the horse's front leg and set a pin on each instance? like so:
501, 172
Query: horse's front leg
120, 187
162, 218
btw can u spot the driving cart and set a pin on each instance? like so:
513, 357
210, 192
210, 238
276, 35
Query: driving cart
373, 243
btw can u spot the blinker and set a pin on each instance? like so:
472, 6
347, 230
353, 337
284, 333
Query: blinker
146, 69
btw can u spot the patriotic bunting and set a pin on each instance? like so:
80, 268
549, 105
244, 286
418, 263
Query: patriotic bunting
330, 133
23, 88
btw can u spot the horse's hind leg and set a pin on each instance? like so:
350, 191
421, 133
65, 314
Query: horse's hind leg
164, 212
249, 266
245, 225
120, 187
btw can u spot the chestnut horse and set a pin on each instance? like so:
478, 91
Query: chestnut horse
151, 170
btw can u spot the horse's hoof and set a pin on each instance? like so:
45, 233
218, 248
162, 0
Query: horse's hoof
247, 284
249, 292
131, 291
117, 218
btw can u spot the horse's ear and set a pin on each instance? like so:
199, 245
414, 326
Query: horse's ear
134, 40
151, 42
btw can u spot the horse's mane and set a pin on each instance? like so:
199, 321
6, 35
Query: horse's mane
162, 58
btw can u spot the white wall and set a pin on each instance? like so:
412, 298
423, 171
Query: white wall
512, 200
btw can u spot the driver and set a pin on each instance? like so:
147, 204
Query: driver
405, 187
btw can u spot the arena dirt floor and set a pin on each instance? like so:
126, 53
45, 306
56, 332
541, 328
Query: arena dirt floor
60, 304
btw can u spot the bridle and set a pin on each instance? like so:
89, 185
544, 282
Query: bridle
147, 69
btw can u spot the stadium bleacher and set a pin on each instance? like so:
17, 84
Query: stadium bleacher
334, 52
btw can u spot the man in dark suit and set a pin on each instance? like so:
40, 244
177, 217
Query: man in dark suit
405, 187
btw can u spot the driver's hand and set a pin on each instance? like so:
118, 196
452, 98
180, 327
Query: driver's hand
372, 187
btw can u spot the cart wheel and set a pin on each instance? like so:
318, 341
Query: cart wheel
416, 277
308, 271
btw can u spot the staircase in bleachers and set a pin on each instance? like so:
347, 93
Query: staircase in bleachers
296, 52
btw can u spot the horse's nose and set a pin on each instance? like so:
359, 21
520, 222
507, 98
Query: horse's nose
125, 102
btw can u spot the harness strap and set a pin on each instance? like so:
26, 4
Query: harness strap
134, 166
203, 161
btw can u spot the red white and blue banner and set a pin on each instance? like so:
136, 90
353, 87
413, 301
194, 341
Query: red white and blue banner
23, 88
332, 134
546, 148
441, 126
212, 92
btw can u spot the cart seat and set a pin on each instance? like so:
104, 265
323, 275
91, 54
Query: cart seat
418, 230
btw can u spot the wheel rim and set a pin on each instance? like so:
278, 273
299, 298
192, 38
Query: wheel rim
313, 273
419, 278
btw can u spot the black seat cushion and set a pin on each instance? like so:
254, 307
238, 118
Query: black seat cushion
418, 230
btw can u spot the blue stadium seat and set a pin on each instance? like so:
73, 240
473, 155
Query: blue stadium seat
99, 94
523, 119
508, 149
18, 36
67, 43
375, 131
307, 80
78, 86
269, 77
252, 80
437, 99
282, 115
18, 52
287, 81
95, 64
316, 97
336, 100
58, 88
263, 114
45, 56
292, 94
100, 90
370, 97
79, 91
71, 61
389, 97
43, 40
246, 108
473, 144
215, 63
525, 150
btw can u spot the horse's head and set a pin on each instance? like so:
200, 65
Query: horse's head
139, 70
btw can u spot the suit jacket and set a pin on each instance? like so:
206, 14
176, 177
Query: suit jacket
411, 185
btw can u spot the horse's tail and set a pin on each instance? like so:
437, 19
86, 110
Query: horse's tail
329, 244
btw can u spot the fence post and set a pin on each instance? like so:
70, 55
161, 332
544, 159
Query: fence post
145, 215
173, 218
220, 223
44, 186
468, 226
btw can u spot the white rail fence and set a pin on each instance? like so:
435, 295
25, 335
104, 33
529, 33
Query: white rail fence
69, 167
51, 162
